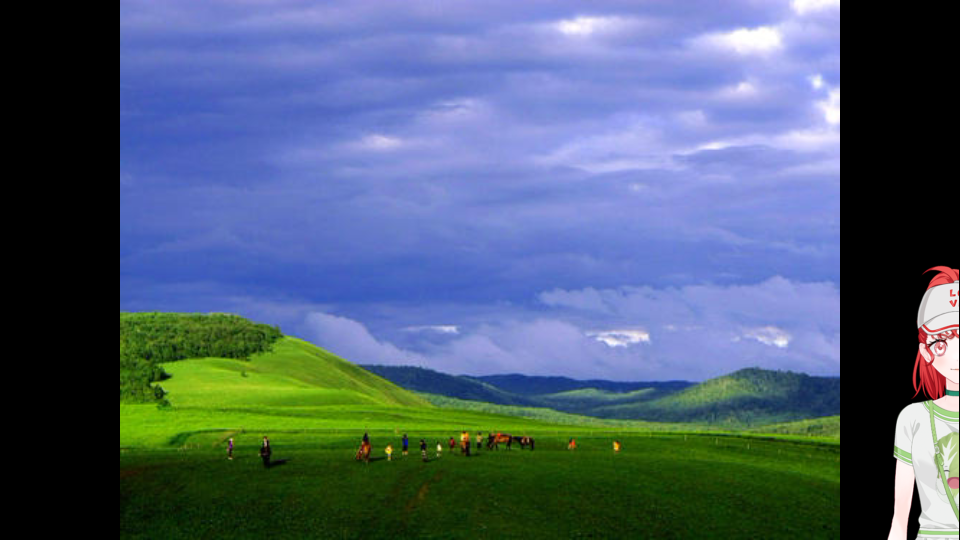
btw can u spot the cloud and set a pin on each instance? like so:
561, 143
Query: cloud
380, 143
621, 338
805, 7
400, 166
762, 41
796, 324
352, 341
769, 335
587, 26
831, 107
449, 329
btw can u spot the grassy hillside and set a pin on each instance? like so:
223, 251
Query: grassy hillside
293, 373
148, 340
528, 386
668, 486
746, 398
175, 480
427, 381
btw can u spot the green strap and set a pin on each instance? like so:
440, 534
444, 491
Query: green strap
939, 459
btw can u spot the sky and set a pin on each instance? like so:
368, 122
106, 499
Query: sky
635, 191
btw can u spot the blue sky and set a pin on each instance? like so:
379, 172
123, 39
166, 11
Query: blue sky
622, 190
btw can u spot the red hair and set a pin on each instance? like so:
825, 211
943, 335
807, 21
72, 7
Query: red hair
932, 382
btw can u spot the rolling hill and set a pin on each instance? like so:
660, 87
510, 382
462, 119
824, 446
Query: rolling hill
746, 398
229, 362
293, 373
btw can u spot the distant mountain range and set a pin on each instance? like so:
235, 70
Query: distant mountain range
748, 397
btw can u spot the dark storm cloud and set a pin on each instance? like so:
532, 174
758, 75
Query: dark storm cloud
454, 156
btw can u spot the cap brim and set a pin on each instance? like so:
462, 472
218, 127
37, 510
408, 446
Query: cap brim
942, 323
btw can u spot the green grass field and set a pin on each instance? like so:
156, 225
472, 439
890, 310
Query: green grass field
175, 480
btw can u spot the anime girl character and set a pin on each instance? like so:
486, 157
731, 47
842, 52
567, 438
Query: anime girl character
928, 433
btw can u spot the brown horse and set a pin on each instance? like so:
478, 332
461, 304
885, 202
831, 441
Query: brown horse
493, 442
363, 454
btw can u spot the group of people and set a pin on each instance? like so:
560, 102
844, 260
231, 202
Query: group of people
266, 452
464, 445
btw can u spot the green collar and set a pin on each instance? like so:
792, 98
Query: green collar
953, 393
941, 413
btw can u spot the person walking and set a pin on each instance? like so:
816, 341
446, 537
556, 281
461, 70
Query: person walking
265, 452
423, 449
465, 443
389, 451
406, 444
230, 449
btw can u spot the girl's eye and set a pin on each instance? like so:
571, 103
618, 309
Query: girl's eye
940, 347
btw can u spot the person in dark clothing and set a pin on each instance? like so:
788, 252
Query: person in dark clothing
265, 452
406, 444
423, 449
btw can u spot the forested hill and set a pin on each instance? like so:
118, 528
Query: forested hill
525, 385
149, 339
167, 337
748, 397
433, 382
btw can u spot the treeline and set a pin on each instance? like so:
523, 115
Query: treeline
150, 339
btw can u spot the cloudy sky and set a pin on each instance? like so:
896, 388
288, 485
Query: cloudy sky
640, 190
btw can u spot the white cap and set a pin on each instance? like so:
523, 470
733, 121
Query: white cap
939, 311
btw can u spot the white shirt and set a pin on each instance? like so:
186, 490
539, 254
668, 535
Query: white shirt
914, 446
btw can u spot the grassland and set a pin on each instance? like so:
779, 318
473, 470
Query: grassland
669, 481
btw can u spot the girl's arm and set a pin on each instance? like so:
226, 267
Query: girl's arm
902, 501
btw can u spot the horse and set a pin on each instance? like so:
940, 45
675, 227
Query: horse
525, 442
363, 454
493, 442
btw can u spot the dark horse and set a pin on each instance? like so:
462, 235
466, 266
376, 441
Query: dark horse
525, 442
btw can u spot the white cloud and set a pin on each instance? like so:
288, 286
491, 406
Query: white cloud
636, 144
381, 143
440, 329
769, 335
708, 330
352, 341
745, 41
831, 107
804, 7
586, 26
621, 338
817, 82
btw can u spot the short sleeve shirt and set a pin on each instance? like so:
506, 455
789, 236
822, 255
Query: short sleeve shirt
914, 446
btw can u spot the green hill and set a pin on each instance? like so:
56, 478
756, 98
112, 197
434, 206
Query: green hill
148, 340
226, 361
293, 373
427, 381
746, 398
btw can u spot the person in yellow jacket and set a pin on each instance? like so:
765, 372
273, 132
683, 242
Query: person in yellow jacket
616, 447
389, 452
